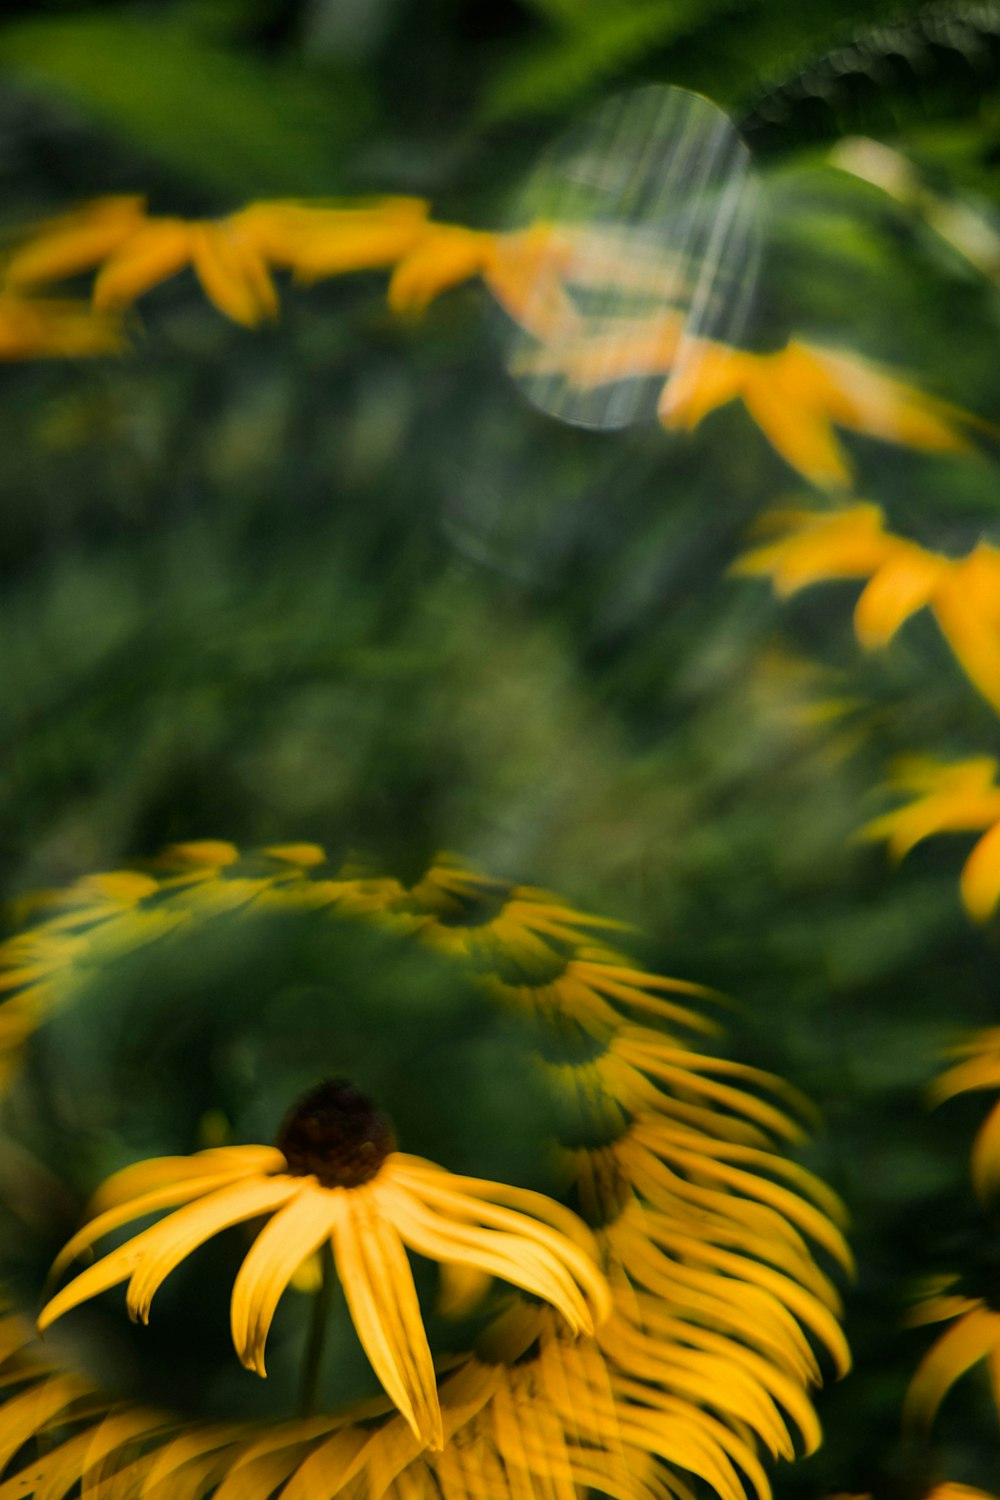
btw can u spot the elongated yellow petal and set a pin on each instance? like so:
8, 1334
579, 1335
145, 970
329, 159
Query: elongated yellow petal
165, 1197
708, 376
81, 239
510, 1256
288, 1239
797, 427
980, 879
967, 608
27, 1414
378, 1286
848, 543
155, 252
233, 273
173, 1240
221, 1162
861, 396
904, 584
564, 1240
443, 256
967, 1341
986, 1156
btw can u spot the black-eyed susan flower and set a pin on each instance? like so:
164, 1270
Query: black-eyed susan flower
335, 1177
653, 1317
963, 594
961, 797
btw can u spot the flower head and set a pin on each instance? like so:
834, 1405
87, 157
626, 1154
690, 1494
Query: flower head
337, 1178
658, 1315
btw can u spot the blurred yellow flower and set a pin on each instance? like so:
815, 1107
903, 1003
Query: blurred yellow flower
959, 798
797, 395
963, 594
232, 256
973, 1335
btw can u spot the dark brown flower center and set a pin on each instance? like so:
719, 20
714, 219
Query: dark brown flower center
337, 1135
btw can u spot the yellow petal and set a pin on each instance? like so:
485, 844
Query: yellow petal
155, 252
378, 1287
848, 543
443, 256
290, 1238
859, 395
173, 1240
795, 424
986, 1156
980, 881
904, 584
706, 376
524, 271
75, 242
966, 1342
233, 273
967, 608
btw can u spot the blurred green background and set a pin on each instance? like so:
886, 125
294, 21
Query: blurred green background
336, 581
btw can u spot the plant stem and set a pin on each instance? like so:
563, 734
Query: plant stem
319, 1322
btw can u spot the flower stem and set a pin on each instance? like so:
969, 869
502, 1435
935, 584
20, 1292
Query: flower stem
319, 1322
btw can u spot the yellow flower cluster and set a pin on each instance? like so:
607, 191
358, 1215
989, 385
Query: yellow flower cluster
670, 1339
796, 395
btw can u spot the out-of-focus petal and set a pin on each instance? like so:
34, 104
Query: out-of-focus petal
156, 251
76, 241
904, 584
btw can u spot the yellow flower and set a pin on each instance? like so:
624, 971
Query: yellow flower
963, 594
231, 256
796, 395
958, 798
50, 328
974, 1335
337, 1178
979, 1069
673, 1329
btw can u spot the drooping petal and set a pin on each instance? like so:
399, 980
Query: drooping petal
967, 608
980, 879
378, 1285
233, 273
904, 584
442, 257
290, 1238
967, 1341
173, 1240
157, 251
76, 241
851, 543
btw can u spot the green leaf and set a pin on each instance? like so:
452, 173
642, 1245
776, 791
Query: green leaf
596, 44
224, 120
